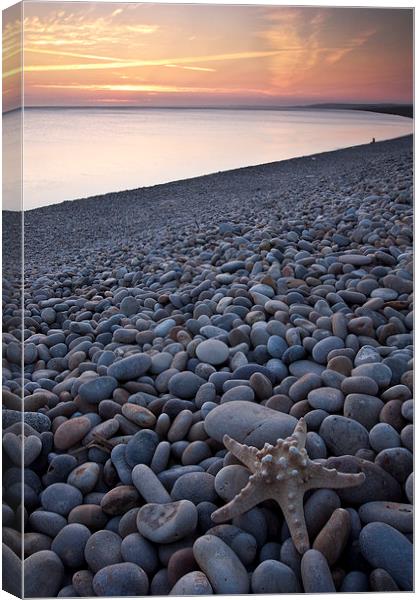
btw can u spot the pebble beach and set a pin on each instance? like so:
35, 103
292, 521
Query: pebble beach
157, 321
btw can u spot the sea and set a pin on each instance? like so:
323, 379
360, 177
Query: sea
71, 153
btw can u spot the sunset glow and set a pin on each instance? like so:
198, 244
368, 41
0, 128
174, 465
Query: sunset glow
94, 54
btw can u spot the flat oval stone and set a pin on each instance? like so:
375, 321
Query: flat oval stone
69, 544
274, 577
383, 436
322, 348
327, 398
136, 549
43, 574
185, 384
230, 481
121, 579
197, 487
71, 432
343, 435
84, 477
61, 498
98, 389
212, 351
139, 415
249, 423
386, 548
103, 548
396, 514
149, 486
194, 583
47, 522
333, 537
166, 523
90, 515
130, 367
226, 573
363, 408
378, 485
398, 462
359, 385
316, 574
120, 499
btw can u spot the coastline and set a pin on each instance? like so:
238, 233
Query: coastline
142, 211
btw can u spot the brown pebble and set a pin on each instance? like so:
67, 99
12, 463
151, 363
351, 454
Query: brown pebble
300, 409
90, 515
381, 581
119, 500
333, 537
180, 563
71, 432
139, 415
391, 414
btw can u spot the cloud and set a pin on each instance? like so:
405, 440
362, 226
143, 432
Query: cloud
129, 64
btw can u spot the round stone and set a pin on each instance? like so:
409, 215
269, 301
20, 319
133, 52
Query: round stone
69, 544
121, 579
327, 398
61, 498
166, 523
386, 548
130, 368
316, 574
274, 577
224, 570
194, 583
395, 514
343, 435
185, 385
103, 548
322, 348
43, 574
71, 432
212, 351
98, 389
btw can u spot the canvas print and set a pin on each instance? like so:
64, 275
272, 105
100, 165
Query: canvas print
207, 299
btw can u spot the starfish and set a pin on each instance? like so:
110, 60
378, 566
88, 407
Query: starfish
283, 473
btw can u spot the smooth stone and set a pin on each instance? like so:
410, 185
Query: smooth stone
354, 582
383, 436
149, 486
166, 523
359, 385
274, 577
379, 372
378, 485
139, 415
185, 385
98, 389
71, 432
130, 367
381, 581
46, 522
121, 579
11, 572
249, 423
396, 514
408, 487
386, 548
303, 386
398, 462
69, 544
120, 499
326, 398
302, 367
84, 477
90, 515
239, 393
197, 487
230, 481
363, 408
333, 537
322, 348
194, 583
343, 435
213, 352
224, 570
43, 574
103, 548
136, 549
316, 574
61, 498
141, 448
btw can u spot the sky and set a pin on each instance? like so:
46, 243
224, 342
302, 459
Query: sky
104, 54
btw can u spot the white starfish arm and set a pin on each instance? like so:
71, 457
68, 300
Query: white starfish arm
331, 478
299, 433
246, 454
295, 519
248, 497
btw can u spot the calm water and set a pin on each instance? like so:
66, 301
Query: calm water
75, 153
